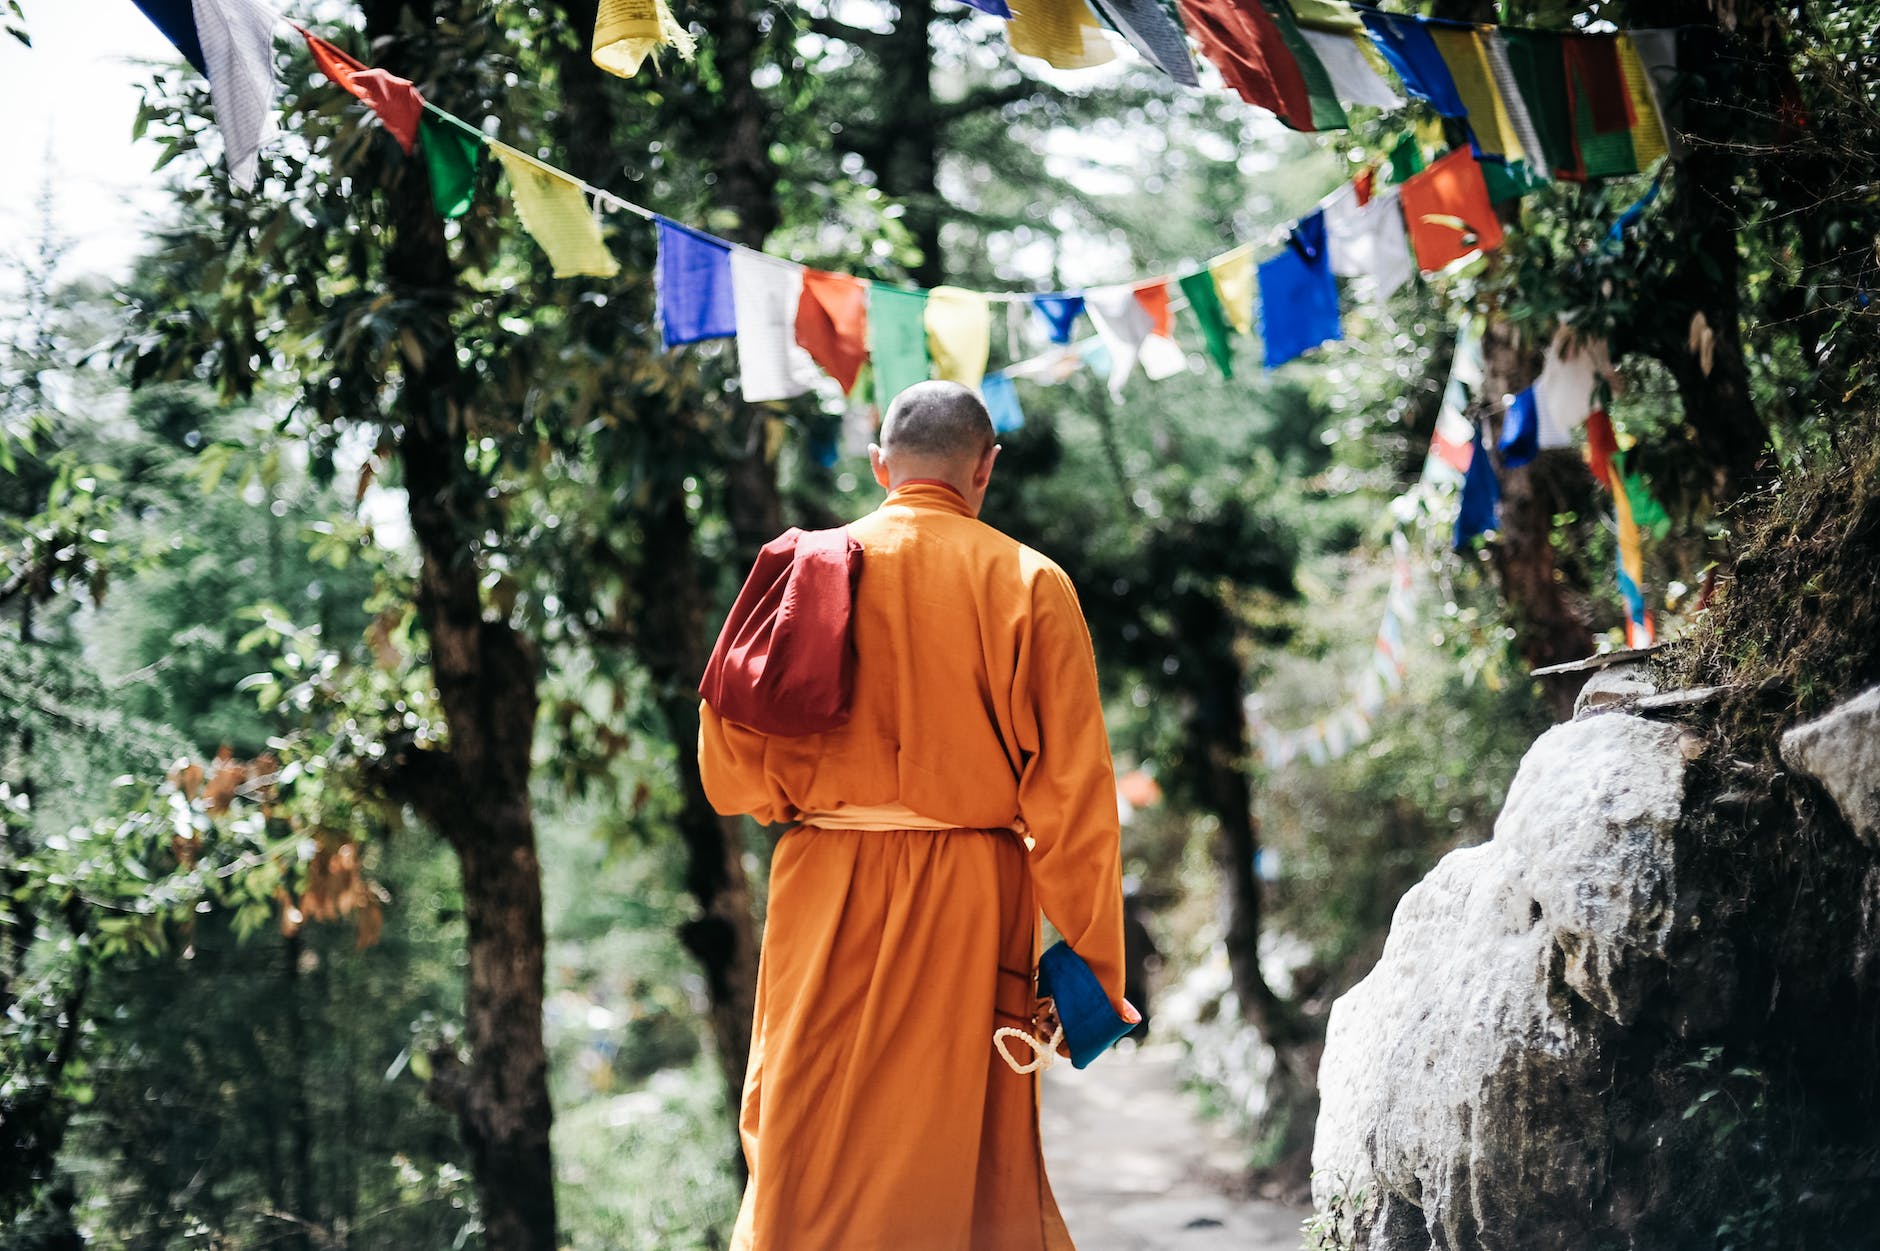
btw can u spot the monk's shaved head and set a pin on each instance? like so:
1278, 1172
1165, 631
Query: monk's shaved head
938, 421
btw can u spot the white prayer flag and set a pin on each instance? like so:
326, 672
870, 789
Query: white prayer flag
1369, 242
238, 51
764, 296
1354, 79
1122, 323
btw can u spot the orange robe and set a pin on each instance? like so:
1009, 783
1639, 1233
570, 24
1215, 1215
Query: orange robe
876, 1115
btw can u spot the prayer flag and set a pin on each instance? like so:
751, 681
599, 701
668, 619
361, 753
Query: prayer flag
1153, 296
177, 20
1333, 16
997, 8
1405, 42
1406, 158
394, 99
1298, 294
1448, 212
897, 340
1495, 49
451, 155
1600, 105
694, 286
1323, 112
1243, 41
1122, 323
1658, 56
1354, 79
1481, 496
1233, 282
1059, 312
1602, 452
626, 32
1538, 65
1648, 132
764, 297
1564, 392
1510, 180
959, 334
1205, 303
1153, 33
554, 210
1063, 33
1162, 358
1001, 397
1368, 241
1520, 431
832, 324
1490, 122
237, 39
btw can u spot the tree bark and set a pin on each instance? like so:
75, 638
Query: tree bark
475, 793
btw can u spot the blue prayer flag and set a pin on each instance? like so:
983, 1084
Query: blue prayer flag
177, 20
1060, 313
1406, 44
1299, 294
694, 285
995, 7
1521, 431
1001, 396
1481, 496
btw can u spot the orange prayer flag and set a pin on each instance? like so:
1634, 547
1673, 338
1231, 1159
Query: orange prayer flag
832, 324
1153, 296
1448, 211
394, 99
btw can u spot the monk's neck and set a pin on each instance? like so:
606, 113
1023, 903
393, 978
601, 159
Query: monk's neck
935, 494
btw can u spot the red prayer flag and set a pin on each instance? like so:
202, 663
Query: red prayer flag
832, 324
1444, 205
1601, 445
1244, 42
784, 663
1153, 296
394, 99
1365, 184
1594, 68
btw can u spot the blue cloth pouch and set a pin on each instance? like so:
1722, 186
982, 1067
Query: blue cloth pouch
1090, 1024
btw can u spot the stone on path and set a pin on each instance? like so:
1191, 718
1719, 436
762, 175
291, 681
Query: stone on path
1135, 1168
1841, 750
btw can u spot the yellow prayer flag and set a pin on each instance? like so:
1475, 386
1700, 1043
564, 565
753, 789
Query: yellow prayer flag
627, 31
1233, 282
959, 334
1064, 33
1648, 133
1489, 119
554, 210
1332, 15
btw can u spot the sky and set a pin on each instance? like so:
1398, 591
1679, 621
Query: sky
69, 102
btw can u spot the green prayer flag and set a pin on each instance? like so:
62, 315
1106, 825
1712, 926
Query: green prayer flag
1601, 156
897, 340
1327, 112
1647, 513
1406, 158
1510, 180
1539, 65
452, 155
1205, 303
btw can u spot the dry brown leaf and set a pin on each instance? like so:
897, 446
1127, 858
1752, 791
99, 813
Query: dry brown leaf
1703, 341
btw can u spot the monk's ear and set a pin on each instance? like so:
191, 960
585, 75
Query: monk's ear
983, 474
876, 463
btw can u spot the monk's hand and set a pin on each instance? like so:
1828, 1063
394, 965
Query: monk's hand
1130, 1014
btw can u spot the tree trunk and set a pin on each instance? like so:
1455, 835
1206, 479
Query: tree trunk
475, 793
907, 158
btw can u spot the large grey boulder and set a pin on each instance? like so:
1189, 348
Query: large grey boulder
1842, 752
1461, 1086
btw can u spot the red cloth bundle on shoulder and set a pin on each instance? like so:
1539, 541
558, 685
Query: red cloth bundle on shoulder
784, 663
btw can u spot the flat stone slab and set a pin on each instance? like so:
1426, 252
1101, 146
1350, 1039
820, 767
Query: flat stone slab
1621, 656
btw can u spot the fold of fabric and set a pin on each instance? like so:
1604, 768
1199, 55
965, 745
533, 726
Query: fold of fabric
694, 285
832, 324
1448, 212
1122, 324
237, 41
1204, 302
1243, 42
451, 157
1233, 282
765, 293
897, 340
1354, 79
1406, 44
1151, 31
394, 99
1298, 295
959, 334
1064, 34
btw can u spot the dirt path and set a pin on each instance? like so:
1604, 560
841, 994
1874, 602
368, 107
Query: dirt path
1135, 1168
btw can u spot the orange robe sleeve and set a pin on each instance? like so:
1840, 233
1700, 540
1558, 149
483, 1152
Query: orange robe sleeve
1067, 786
731, 765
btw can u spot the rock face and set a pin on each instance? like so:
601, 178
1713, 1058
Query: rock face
1461, 1087
1842, 751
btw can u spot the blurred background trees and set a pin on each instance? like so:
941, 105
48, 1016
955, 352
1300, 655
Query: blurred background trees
357, 577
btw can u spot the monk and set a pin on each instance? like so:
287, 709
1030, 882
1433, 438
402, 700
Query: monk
971, 785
